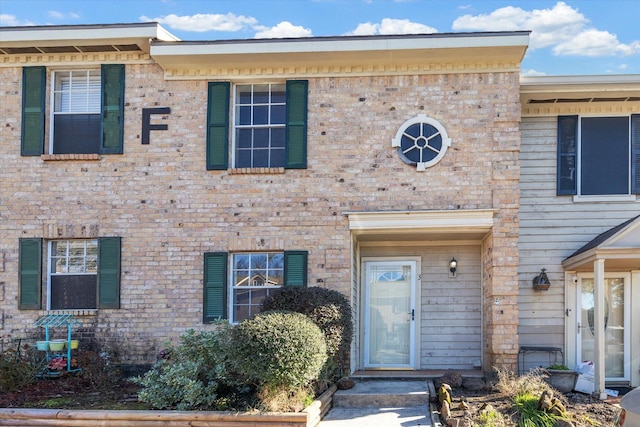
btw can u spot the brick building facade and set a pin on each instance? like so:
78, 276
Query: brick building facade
178, 219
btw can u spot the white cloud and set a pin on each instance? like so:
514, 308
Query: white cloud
391, 26
203, 22
54, 14
532, 72
563, 28
283, 30
7, 20
594, 43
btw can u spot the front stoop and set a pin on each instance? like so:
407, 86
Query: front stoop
383, 394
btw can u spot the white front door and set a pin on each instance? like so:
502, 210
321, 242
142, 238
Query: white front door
616, 324
390, 314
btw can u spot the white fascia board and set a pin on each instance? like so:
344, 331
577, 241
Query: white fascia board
594, 83
474, 219
340, 44
75, 34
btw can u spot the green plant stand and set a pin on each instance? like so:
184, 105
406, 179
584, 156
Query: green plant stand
53, 320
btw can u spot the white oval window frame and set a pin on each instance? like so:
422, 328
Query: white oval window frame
419, 119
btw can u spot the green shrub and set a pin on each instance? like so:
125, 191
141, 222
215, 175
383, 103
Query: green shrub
192, 376
276, 350
330, 310
177, 386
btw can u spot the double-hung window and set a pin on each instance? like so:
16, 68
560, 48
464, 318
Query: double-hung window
76, 112
254, 276
259, 125
266, 128
80, 273
235, 285
598, 156
85, 114
73, 271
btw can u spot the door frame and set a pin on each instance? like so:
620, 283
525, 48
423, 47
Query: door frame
577, 305
414, 329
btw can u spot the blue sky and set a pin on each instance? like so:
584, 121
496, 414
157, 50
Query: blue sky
568, 37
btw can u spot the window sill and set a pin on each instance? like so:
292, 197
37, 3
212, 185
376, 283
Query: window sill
60, 157
256, 171
605, 198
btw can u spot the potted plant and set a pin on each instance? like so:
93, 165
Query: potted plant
561, 377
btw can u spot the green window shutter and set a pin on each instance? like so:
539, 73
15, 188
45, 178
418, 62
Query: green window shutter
295, 268
30, 279
112, 134
218, 125
635, 153
567, 155
215, 286
109, 272
33, 110
296, 134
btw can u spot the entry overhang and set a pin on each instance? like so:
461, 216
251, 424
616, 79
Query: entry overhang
618, 246
419, 225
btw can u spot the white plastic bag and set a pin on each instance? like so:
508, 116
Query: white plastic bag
585, 368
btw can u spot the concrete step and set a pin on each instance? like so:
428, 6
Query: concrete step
383, 394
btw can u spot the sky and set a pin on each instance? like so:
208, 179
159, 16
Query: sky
581, 37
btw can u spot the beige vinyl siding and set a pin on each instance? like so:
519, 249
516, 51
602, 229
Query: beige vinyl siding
450, 309
551, 229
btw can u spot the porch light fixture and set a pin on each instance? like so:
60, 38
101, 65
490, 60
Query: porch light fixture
453, 265
541, 281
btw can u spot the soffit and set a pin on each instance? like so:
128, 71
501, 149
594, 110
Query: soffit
79, 39
579, 94
455, 52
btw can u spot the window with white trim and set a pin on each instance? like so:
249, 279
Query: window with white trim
76, 96
254, 277
259, 125
73, 272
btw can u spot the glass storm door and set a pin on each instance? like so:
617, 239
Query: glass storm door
389, 324
616, 325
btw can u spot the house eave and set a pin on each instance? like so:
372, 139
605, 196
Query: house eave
367, 55
616, 259
42, 39
561, 94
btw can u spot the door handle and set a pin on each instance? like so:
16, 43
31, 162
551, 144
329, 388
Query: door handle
413, 312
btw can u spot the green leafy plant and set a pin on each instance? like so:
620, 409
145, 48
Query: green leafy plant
193, 374
530, 416
330, 310
558, 367
279, 352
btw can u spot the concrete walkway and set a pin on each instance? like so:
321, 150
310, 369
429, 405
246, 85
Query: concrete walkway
381, 403
378, 417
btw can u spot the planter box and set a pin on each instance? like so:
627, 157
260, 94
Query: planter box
310, 417
562, 380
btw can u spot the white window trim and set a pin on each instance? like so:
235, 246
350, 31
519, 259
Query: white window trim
234, 116
52, 101
422, 118
232, 287
50, 268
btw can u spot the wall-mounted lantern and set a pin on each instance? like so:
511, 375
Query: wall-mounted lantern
541, 281
453, 266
